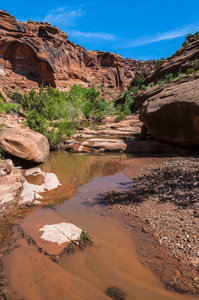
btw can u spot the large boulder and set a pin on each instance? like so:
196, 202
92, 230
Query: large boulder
18, 140
173, 114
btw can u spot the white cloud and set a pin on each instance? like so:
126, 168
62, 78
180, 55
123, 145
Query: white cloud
64, 16
158, 37
67, 17
91, 35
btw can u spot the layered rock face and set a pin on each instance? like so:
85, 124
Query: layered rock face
42, 54
170, 111
182, 60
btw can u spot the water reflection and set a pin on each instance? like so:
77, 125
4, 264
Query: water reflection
75, 170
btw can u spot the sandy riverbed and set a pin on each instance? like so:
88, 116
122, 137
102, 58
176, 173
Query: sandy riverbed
165, 201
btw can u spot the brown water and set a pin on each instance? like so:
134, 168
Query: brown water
112, 260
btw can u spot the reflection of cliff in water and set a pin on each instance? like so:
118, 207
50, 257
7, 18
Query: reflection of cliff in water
75, 170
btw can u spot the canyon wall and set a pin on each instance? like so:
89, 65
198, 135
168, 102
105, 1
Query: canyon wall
36, 53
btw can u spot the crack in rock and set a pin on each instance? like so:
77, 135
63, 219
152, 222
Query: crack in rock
61, 233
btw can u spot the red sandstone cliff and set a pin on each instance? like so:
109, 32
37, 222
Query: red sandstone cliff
36, 53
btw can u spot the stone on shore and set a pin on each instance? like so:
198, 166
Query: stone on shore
11, 181
20, 141
119, 145
172, 115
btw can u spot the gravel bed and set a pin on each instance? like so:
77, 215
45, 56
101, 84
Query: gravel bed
166, 200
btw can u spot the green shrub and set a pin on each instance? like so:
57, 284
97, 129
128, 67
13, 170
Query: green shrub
137, 81
159, 62
183, 75
143, 87
187, 40
9, 107
1, 97
134, 89
121, 116
55, 114
102, 109
123, 110
190, 38
149, 71
150, 84
160, 82
87, 109
196, 65
169, 77
54, 109
186, 44
16, 97
190, 71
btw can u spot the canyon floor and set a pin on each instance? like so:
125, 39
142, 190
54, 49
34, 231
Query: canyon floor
161, 212
165, 201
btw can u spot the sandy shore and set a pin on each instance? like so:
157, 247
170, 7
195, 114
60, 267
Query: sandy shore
166, 202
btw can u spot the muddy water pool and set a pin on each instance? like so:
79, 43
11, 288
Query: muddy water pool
112, 260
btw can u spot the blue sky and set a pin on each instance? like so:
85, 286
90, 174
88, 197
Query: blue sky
136, 29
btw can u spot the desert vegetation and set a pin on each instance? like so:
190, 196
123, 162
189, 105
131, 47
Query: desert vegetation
190, 38
57, 114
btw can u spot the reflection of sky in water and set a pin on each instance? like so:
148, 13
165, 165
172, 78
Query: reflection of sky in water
74, 171
90, 193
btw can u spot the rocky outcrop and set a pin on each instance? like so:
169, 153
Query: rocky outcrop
182, 60
18, 140
172, 115
170, 111
100, 145
42, 54
11, 182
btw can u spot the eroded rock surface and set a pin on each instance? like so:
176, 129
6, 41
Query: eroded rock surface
172, 115
11, 181
31, 191
18, 140
182, 60
42, 54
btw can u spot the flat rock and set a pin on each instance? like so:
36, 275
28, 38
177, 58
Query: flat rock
50, 232
31, 191
122, 145
60, 233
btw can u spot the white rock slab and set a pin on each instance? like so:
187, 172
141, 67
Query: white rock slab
2, 70
31, 191
46, 223
61, 233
